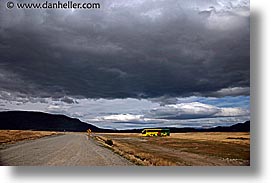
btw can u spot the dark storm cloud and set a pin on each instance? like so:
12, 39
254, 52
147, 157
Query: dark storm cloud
127, 49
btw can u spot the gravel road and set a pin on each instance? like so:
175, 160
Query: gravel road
64, 150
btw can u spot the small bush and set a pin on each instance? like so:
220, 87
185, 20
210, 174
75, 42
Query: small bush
109, 142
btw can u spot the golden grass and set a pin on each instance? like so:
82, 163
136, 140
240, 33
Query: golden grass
196, 148
12, 136
231, 137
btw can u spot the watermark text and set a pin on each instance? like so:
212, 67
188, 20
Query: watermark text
53, 5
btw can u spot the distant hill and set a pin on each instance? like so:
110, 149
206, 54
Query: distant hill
25, 120
28, 120
239, 127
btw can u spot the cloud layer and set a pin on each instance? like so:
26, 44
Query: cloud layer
129, 64
195, 110
136, 113
139, 49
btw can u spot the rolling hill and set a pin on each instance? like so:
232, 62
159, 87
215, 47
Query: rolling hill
25, 120
30, 120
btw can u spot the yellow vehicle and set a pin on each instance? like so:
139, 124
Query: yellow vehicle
155, 132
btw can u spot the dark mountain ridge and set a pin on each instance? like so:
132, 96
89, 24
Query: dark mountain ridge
30, 120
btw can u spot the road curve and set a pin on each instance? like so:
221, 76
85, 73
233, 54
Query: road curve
64, 150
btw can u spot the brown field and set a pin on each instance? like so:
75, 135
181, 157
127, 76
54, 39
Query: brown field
183, 149
179, 149
12, 136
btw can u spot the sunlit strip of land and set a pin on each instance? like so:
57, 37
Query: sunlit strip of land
13, 136
183, 149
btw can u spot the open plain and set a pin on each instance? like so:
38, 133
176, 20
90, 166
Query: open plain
76, 149
184, 149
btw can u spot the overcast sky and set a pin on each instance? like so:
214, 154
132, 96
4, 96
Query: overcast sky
130, 64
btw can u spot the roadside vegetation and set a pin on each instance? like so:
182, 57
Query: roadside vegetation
185, 149
12, 136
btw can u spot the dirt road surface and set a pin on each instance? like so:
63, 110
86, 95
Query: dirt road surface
64, 150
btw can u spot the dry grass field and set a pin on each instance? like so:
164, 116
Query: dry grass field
12, 136
183, 149
179, 149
